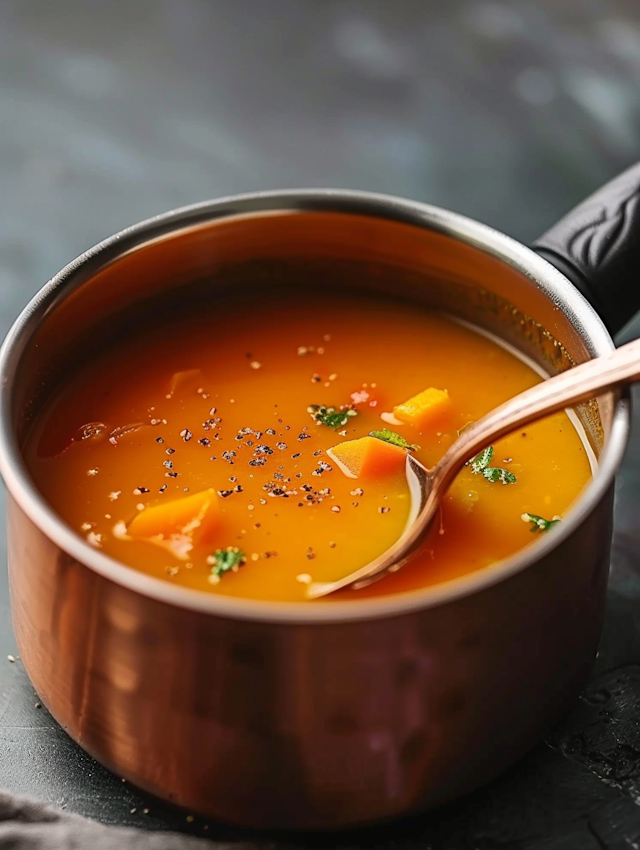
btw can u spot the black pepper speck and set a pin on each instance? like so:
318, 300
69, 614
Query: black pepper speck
263, 450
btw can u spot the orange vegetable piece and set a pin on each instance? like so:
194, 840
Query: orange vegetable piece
427, 408
368, 457
179, 524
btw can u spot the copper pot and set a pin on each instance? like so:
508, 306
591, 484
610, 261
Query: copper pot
308, 715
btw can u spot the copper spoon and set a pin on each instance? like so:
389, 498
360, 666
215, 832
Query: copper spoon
428, 486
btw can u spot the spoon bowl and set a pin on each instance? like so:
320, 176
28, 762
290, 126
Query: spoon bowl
428, 486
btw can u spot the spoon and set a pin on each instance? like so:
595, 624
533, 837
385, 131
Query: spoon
428, 486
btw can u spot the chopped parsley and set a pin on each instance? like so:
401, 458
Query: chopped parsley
329, 416
495, 474
481, 460
224, 561
539, 523
480, 466
395, 439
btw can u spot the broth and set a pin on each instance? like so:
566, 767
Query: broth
218, 403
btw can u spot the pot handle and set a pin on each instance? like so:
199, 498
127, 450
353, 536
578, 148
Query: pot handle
597, 246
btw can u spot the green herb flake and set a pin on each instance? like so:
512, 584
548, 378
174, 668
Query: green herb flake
329, 416
481, 460
496, 474
539, 523
224, 561
480, 466
395, 439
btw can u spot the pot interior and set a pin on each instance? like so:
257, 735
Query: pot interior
131, 281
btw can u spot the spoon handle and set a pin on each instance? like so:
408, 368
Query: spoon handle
580, 383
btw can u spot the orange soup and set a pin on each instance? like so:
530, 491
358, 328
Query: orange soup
259, 444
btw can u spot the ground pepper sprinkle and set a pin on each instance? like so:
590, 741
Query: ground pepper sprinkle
263, 450
290, 476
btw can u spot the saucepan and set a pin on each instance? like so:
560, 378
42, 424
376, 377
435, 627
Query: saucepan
321, 714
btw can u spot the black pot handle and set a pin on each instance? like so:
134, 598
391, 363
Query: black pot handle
597, 246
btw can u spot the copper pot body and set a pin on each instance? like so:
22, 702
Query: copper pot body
319, 715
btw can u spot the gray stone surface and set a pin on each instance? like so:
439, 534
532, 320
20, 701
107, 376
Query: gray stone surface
506, 110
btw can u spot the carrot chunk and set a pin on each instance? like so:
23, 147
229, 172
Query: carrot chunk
179, 524
368, 457
428, 408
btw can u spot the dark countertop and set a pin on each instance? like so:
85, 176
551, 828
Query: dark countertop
506, 110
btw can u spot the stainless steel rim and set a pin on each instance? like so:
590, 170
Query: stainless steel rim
542, 274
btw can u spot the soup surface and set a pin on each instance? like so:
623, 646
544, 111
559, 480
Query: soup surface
193, 451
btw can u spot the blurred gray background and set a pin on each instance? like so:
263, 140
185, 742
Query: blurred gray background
509, 111
506, 110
